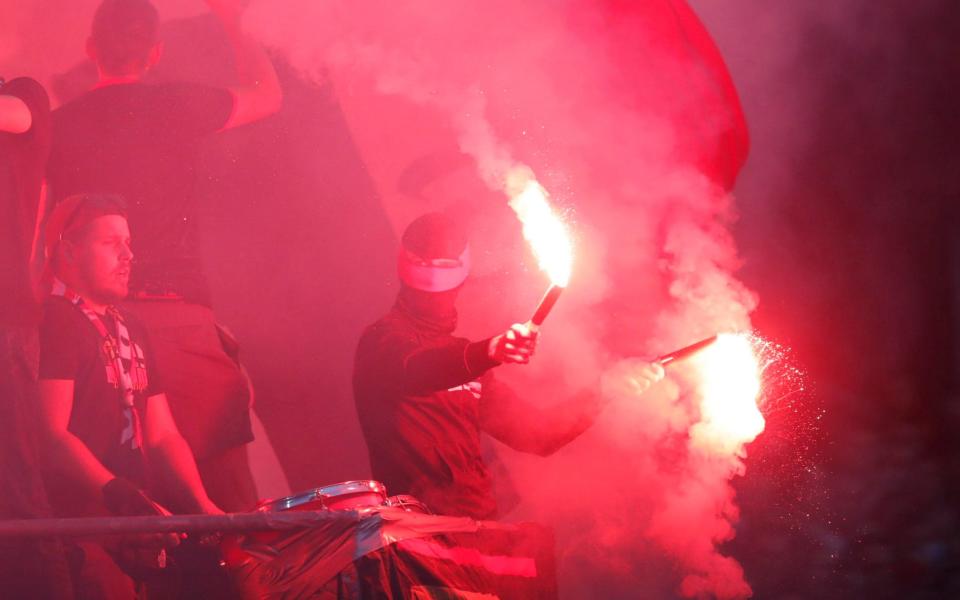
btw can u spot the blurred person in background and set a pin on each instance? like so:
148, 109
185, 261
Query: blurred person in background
141, 141
28, 568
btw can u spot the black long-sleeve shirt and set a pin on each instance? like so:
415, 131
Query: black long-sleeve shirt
424, 397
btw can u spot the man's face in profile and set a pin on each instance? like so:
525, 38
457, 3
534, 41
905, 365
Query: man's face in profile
103, 258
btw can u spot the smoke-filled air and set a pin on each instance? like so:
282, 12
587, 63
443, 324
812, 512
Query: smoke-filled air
279, 169
624, 113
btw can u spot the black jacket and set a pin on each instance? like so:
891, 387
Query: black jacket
424, 396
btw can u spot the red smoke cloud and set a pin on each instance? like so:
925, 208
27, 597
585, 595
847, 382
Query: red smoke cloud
626, 114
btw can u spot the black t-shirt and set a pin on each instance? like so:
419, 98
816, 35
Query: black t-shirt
142, 141
22, 161
71, 348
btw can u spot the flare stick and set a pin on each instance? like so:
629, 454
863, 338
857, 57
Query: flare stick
686, 351
546, 304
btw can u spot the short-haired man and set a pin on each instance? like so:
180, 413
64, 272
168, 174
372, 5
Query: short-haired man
141, 141
107, 436
425, 396
27, 568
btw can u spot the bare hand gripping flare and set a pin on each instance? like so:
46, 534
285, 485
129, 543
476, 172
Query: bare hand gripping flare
545, 232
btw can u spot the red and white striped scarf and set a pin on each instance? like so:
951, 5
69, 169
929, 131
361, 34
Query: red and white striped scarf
123, 359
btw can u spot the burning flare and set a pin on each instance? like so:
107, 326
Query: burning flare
729, 384
545, 232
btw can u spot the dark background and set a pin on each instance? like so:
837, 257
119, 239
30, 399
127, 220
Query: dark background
849, 227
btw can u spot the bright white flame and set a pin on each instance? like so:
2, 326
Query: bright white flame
542, 228
729, 385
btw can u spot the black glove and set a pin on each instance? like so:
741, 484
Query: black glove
143, 553
125, 499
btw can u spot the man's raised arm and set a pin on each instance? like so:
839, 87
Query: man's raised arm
257, 93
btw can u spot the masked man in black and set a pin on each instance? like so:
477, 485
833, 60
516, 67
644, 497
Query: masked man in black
424, 396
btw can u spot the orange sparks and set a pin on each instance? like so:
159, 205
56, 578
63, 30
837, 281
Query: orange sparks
545, 232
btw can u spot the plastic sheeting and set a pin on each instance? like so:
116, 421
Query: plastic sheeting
391, 553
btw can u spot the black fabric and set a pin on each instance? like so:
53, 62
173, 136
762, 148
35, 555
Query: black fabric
28, 568
395, 554
434, 235
513, 563
208, 392
123, 498
22, 161
424, 396
142, 142
420, 420
432, 312
70, 348
34, 568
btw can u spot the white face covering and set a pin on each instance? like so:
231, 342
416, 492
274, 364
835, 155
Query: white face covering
434, 275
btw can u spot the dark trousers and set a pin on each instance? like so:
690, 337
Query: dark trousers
98, 576
193, 572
